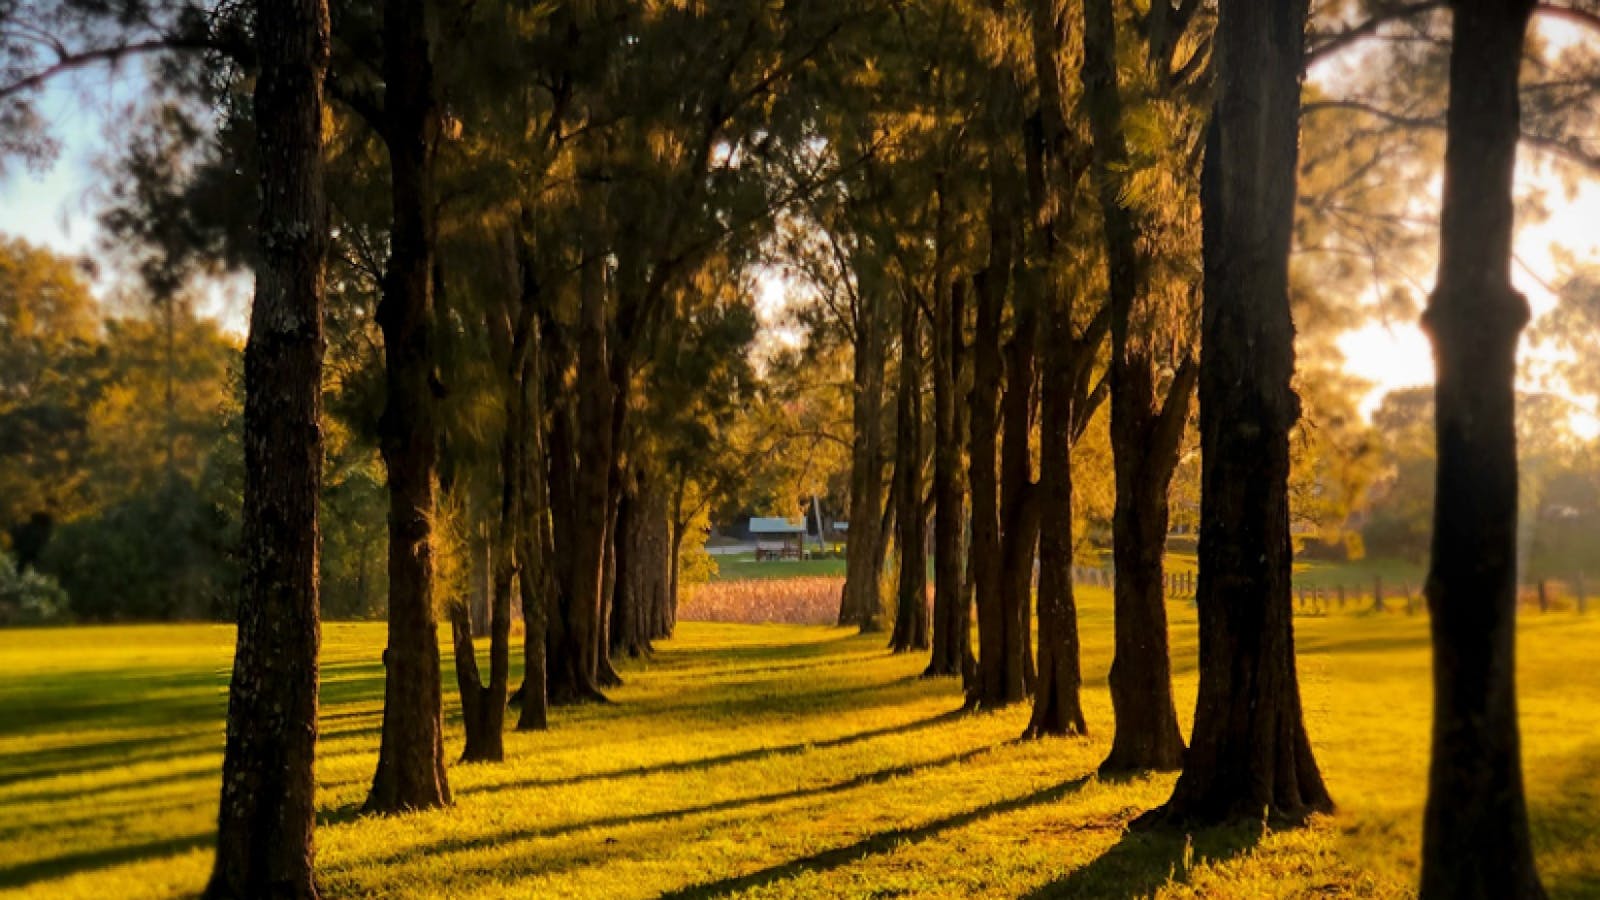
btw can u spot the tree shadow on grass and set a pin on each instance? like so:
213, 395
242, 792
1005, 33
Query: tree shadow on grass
872, 845
1144, 860
665, 815
73, 863
78, 795
711, 762
1563, 827
89, 759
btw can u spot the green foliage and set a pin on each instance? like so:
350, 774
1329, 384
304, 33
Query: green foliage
28, 597
52, 364
696, 566
161, 554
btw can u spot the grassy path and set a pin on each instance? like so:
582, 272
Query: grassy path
764, 761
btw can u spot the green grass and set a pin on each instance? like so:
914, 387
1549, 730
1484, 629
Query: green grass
744, 567
770, 761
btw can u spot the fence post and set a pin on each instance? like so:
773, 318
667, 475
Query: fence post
1377, 593
1411, 607
1544, 596
1341, 596
1583, 597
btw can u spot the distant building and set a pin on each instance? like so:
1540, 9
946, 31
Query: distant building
778, 538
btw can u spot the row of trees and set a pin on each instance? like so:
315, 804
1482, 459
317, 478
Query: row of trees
512, 249
1089, 289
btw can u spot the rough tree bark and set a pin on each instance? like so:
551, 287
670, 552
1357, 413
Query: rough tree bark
642, 569
268, 803
1475, 829
411, 773
591, 473
911, 606
1001, 671
569, 681
1019, 502
1057, 708
1145, 437
535, 576
1250, 754
1055, 168
483, 706
952, 610
864, 551
605, 674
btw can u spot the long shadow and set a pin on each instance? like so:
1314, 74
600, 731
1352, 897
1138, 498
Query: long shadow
1145, 860
91, 758
719, 658
711, 762
101, 816
703, 706
1331, 644
71, 863
77, 794
872, 845
666, 815
776, 668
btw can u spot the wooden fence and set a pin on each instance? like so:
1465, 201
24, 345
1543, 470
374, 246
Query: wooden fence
1545, 596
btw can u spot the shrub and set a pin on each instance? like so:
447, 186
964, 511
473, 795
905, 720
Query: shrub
28, 597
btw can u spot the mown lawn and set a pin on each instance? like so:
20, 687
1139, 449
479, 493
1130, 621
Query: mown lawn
764, 761
745, 566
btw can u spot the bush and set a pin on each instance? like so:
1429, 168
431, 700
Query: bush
166, 554
28, 598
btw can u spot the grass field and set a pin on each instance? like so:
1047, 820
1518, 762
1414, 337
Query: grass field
743, 566
763, 761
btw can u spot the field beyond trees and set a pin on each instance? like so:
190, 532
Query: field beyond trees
763, 761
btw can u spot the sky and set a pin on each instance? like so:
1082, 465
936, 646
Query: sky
56, 207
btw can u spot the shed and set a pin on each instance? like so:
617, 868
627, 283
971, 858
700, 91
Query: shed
778, 538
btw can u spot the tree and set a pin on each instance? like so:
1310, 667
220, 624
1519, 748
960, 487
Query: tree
1146, 429
268, 806
1069, 396
411, 773
51, 367
911, 607
952, 606
1249, 753
864, 553
1003, 537
1475, 828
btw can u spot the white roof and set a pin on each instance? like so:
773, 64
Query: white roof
775, 525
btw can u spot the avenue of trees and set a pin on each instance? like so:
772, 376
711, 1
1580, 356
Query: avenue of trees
1063, 272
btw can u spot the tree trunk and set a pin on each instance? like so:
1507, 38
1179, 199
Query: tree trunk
1019, 506
1000, 673
510, 331
1057, 708
411, 773
1144, 440
569, 680
1065, 402
1250, 754
605, 675
268, 802
1475, 830
952, 611
591, 497
638, 611
859, 603
536, 582
679, 525
911, 607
